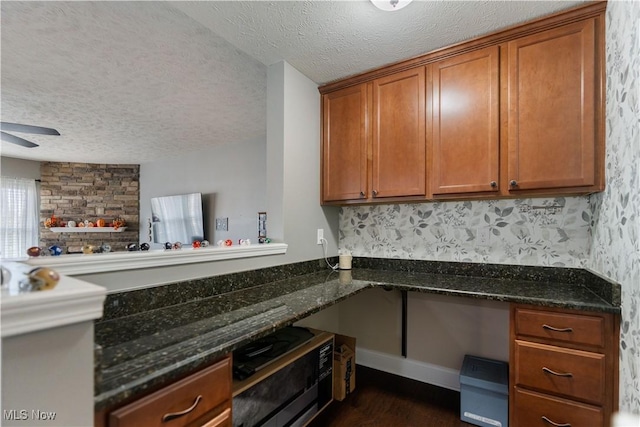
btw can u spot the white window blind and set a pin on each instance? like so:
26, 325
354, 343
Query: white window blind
18, 216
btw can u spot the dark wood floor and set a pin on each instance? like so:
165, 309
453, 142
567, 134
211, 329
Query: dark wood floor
386, 400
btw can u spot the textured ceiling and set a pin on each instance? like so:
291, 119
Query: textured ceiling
133, 82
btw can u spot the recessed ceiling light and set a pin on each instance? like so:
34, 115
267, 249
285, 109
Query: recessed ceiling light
390, 5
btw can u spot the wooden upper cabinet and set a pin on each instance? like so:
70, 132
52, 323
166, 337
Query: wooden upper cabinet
399, 141
516, 113
465, 146
553, 78
344, 148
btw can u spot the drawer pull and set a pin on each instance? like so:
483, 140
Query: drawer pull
557, 374
551, 328
173, 415
555, 424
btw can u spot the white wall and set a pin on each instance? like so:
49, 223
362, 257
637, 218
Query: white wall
35, 376
230, 178
442, 329
287, 182
19, 168
293, 152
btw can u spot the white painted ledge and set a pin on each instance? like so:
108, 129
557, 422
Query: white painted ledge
118, 261
71, 301
87, 229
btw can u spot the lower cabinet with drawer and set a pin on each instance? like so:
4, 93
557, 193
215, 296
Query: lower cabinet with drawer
202, 399
564, 367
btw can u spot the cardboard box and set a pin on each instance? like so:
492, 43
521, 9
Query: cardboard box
484, 392
344, 366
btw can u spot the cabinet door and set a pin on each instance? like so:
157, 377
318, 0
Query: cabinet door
344, 145
465, 156
399, 144
551, 124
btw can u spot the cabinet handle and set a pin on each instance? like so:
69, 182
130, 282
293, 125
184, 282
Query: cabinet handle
173, 415
362, 194
493, 184
555, 424
375, 193
513, 183
551, 328
557, 374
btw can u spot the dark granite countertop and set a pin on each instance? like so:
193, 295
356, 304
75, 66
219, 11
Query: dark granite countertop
144, 347
142, 351
548, 294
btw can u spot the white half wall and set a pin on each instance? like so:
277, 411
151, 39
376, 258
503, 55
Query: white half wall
47, 377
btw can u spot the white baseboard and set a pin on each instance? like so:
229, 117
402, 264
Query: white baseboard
407, 368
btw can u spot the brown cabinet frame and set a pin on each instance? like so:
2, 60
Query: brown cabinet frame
605, 344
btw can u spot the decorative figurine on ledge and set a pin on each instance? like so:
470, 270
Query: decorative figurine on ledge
196, 244
204, 243
118, 222
40, 279
34, 251
55, 250
51, 222
132, 247
168, 245
144, 246
88, 249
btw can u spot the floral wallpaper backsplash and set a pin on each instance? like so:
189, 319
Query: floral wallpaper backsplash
615, 249
550, 232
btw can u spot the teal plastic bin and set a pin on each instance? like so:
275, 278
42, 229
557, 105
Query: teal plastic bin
484, 392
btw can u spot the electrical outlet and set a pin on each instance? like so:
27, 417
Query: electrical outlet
484, 236
320, 237
222, 224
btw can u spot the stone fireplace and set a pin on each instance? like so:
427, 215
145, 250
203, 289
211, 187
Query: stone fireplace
87, 191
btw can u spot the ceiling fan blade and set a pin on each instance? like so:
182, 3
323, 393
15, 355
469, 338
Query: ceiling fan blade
16, 140
16, 127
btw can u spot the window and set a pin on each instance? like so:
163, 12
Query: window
18, 216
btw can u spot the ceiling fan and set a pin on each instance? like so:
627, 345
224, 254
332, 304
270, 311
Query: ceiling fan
15, 127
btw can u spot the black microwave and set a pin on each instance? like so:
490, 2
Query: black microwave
290, 396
